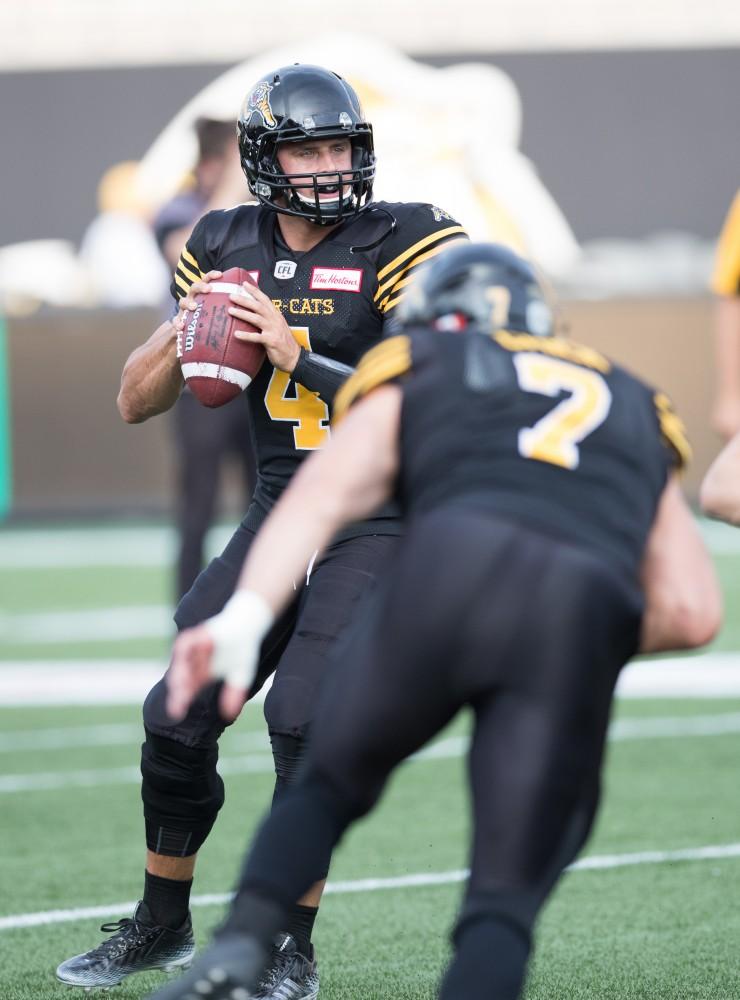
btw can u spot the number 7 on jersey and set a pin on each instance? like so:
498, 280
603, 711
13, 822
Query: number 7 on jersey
556, 436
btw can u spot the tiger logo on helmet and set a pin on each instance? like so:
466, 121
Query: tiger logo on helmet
259, 101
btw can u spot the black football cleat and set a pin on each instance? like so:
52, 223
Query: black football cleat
228, 970
137, 945
290, 975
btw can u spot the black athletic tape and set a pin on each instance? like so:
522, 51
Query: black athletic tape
319, 374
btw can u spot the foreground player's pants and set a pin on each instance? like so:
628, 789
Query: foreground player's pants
530, 633
181, 789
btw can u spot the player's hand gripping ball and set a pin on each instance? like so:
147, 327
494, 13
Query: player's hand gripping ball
215, 364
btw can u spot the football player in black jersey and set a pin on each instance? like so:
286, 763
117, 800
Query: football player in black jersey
546, 542
331, 266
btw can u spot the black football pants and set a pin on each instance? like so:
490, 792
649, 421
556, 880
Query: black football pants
181, 789
529, 632
204, 438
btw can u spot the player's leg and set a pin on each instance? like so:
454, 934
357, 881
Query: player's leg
337, 585
182, 794
535, 759
388, 692
241, 444
200, 444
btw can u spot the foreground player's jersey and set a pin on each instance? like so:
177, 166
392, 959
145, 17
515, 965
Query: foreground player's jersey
542, 430
335, 298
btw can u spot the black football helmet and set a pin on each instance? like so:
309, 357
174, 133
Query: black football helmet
479, 286
296, 103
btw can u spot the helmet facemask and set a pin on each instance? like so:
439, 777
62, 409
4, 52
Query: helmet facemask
295, 104
299, 194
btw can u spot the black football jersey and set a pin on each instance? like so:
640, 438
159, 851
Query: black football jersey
335, 298
542, 430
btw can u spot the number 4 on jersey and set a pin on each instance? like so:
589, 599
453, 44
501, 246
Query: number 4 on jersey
556, 436
287, 400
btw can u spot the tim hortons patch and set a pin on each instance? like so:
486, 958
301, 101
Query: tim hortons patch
340, 279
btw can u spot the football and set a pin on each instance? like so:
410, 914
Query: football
214, 363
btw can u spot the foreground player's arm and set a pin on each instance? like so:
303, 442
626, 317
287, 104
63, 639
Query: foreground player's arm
720, 490
726, 407
345, 481
683, 604
726, 286
152, 380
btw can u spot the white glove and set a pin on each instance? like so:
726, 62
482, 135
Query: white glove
237, 634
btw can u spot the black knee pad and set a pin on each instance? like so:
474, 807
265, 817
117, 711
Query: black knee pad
182, 793
289, 753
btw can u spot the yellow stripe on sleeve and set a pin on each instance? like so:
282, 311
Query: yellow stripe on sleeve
181, 283
382, 289
418, 247
726, 276
398, 281
385, 361
673, 429
186, 255
187, 273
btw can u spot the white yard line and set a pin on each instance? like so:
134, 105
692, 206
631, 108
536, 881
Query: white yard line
125, 734
152, 545
594, 863
112, 682
92, 625
261, 763
73, 548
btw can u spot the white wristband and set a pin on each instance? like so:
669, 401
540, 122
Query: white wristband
237, 634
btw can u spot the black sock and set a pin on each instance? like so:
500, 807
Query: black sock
168, 899
301, 926
489, 950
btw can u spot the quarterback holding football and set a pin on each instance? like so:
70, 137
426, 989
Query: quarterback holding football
326, 268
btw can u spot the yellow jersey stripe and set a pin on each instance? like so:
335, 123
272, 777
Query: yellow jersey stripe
370, 370
389, 285
410, 276
392, 304
355, 387
182, 283
384, 362
417, 247
186, 255
673, 429
188, 273
726, 276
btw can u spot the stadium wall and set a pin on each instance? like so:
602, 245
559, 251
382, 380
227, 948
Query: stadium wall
628, 142
73, 455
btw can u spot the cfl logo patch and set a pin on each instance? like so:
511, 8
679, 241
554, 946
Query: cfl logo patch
285, 269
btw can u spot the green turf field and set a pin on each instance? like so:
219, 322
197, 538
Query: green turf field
653, 926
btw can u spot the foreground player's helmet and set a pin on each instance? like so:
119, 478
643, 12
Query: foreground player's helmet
298, 103
481, 286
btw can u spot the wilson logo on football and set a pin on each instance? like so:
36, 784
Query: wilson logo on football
341, 279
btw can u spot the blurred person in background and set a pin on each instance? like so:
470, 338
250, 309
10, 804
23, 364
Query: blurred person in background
122, 231
332, 267
726, 286
546, 542
204, 437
